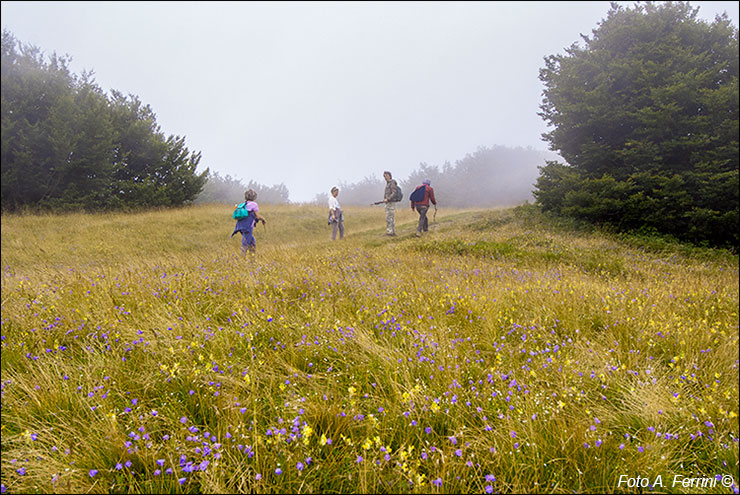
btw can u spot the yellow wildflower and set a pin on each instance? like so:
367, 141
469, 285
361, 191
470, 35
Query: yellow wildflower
306, 431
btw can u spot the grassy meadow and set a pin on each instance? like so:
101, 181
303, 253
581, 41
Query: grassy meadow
141, 353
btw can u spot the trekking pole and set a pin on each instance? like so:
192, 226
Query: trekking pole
434, 219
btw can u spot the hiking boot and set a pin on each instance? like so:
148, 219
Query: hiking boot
418, 234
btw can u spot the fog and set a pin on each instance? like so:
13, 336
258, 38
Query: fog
315, 94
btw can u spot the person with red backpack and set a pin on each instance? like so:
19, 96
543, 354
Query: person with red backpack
420, 199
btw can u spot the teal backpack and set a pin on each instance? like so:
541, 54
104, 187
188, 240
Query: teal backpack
240, 212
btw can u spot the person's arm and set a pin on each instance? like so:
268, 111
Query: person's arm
431, 196
258, 217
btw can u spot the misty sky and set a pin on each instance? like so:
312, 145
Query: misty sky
313, 93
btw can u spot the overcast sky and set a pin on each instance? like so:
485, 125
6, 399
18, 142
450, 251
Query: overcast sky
309, 94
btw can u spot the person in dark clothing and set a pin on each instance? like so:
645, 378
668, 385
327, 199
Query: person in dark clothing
422, 206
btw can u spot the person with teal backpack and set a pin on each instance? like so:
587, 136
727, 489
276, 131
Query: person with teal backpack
247, 215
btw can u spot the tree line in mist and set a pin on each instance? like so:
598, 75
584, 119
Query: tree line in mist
492, 176
227, 189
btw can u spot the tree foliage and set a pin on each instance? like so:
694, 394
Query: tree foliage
364, 192
646, 116
67, 145
491, 176
228, 189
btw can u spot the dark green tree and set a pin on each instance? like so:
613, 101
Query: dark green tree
83, 155
67, 145
36, 95
646, 116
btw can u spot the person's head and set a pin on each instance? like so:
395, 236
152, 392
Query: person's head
250, 195
427, 182
387, 175
334, 191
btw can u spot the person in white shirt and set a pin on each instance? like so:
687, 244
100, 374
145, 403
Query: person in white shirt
336, 217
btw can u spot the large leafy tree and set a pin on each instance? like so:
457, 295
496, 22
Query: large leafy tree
67, 145
645, 114
36, 99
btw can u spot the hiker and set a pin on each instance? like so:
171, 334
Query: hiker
246, 225
391, 191
336, 216
420, 199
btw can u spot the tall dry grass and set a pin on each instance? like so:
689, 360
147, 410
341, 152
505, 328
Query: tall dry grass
499, 353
